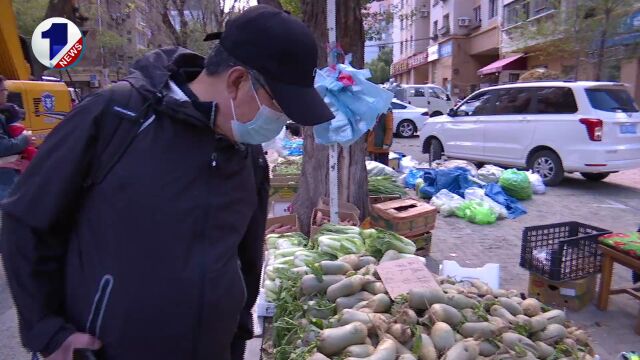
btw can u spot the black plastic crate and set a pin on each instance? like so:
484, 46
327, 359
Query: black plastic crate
563, 251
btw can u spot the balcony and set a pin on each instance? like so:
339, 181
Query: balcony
444, 30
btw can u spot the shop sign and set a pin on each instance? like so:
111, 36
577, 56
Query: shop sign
418, 59
432, 53
445, 49
399, 67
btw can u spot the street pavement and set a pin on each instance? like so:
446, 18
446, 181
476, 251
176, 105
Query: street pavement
613, 204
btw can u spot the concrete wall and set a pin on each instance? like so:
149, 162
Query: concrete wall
630, 74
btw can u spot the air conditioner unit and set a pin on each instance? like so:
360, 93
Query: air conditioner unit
443, 30
464, 21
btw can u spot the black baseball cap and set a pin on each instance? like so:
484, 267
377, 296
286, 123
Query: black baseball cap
283, 50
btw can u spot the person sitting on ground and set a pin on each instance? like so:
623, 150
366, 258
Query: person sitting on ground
380, 138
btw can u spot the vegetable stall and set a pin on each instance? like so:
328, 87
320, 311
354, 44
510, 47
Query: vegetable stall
332, 302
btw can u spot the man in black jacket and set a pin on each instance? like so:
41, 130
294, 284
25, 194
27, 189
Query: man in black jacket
159, 257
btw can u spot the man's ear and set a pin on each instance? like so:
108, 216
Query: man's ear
235, 77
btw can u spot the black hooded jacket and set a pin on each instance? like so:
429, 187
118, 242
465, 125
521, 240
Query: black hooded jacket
178, 224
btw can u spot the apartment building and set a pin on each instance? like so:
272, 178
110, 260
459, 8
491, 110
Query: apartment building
462, 36
411, 35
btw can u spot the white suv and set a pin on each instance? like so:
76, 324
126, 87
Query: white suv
551, 127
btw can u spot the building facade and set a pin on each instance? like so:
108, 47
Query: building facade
410, 41
461, 36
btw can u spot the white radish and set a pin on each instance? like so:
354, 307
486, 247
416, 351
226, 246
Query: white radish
406, 316
318, 356
502, 313
471, 316
555, 317
348, 302
513, 308
380, 303
482, 287
346, 287
514, 341
463, 350
359, 351
443, 313
531, 307
484, 330
352, 260
407, 357
374, 288
400, 332
427, 350
386, 350
552, 334
335, 340
487, 348
310, 284
422, 299
443, 336
460, 302
334, 267
365, 261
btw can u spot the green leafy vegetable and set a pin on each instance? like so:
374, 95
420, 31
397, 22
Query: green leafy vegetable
385, 185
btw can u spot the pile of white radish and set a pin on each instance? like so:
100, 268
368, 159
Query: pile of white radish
341, 310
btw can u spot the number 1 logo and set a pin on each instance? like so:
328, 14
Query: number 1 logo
57, 43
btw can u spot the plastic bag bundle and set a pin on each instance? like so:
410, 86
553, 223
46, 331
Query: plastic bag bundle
450, 164
355, 102
513, 206
516, 184
455, 180
374, 168
478, 194
446, 202
407, 164
476, 212
490, 174
412, 178
537, 184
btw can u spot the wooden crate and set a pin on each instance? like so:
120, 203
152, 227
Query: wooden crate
323, 203
291, 219
343, 215
383, 198
407, 217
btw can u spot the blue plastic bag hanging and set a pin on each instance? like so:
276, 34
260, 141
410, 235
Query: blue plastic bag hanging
356, 103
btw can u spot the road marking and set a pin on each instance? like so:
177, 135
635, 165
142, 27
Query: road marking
612, 204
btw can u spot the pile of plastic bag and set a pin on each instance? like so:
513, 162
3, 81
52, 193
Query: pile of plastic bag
490, 174
376, 169
446, 202
516, 184
456, 180
476, 212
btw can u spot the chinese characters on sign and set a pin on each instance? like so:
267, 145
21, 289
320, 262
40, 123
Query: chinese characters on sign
402, 275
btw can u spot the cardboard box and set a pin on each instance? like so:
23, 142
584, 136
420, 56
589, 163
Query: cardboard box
323, 203
383, 198
407, 217
281, 196
291, 219
343, 215
571, 294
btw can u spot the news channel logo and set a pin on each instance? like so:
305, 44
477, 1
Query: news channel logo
57, 43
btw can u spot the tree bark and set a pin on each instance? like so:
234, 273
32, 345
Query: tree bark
315, 168
602, 42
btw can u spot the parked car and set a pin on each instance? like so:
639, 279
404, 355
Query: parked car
407, 119
427, 96
551, 127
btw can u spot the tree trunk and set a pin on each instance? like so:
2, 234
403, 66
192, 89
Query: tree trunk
602, 42
315, 169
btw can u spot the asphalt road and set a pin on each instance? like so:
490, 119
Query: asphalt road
612, 204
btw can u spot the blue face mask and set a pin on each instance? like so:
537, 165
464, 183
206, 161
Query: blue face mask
265, 126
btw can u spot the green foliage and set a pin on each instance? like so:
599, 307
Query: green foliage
292, 6
380, 67
29, 13
110, 40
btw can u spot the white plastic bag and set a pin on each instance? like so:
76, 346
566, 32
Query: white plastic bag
407, 164
490, 174
449, 164
537, 184
474, 193
446, 202
376, 169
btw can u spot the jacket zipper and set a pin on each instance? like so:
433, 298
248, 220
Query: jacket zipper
202, 268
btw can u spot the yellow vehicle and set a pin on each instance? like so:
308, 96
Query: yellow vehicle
45, 103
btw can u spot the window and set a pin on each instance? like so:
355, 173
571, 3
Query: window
438, 93
445, 23
493, 8
417, 92
555, 100
435, 28
513, 101
516, 12
540, 7
514, 77
611, 100
397, 106
477, 15
478, 104
129, 41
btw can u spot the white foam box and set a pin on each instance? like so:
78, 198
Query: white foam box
264, 308
489, 273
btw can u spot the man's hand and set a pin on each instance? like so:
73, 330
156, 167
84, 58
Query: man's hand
75, 341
